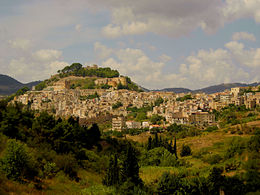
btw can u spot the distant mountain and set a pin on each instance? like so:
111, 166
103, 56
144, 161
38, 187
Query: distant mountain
211, 89
176, 90
9, 85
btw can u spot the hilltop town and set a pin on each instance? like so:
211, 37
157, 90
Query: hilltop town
84, 124
71, 92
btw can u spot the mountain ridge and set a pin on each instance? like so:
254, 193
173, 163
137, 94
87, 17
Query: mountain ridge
9, 85
210, 89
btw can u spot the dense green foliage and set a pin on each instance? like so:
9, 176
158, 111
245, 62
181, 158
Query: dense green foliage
138, 114
159, 156
232, 115
116, 105
186, 97
158, 101
36, 148
58, 141
41, 86
182, 131
76, 69
129, 85
17, 93
185, 150
92, 96
17, 163
156, 119
22, 91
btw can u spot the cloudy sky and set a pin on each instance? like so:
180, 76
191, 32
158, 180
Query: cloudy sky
166, 43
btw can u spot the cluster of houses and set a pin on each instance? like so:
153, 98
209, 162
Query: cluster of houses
63, 102
197, 119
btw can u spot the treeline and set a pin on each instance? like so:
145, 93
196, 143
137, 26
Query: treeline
123, 169
39, 142
76, 69
186, 181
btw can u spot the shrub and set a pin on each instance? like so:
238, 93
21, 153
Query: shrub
252, 175
212, 128
116, 105
68, 164
254, 143
17, 162
216, 180
185, 150
236, 146
159, 157
168, 184
212, 159
50, 169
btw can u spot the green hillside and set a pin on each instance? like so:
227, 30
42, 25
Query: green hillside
43, 155
84, 78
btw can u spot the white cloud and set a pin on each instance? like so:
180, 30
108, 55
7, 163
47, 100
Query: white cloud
47, 54
236, 9
250, 58
37, 65
23, 44
26, 70
235, 63
243, 36
136, 64
165, 58
102, 51
173, 17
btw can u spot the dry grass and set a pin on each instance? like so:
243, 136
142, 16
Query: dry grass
14, 188
151, 174
141, 138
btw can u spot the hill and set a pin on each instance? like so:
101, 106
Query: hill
210, 89
59, 156
9, 85
176, 90
76, 76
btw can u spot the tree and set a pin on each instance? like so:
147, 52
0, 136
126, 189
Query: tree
22, 91
216, 180
175, 148
252, 175
254, 143
156, 119
112, 174
16, 162
168, 184
130, 167
94, 133
158, 101
40, 86
185, 150
141, 116
156, 141
116, 105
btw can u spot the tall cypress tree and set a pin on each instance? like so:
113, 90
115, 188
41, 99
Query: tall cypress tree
112, 174
130, 167
149, 146
175, 148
